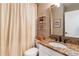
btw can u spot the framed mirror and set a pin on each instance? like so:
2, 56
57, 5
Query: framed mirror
71, 17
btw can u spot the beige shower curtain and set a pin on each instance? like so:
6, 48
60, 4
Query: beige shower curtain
15, 29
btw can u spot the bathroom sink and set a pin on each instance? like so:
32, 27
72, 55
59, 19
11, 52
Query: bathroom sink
57, 45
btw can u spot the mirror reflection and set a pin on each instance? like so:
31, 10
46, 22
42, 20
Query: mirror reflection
71, 19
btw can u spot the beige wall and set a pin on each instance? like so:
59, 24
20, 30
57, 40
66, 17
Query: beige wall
52, 14
57, 13
67, 6
42, 8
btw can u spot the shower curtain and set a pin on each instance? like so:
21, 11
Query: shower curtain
15, 29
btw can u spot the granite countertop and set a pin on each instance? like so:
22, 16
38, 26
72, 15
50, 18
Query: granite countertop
65, 51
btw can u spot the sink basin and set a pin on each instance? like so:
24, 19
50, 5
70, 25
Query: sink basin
57, 45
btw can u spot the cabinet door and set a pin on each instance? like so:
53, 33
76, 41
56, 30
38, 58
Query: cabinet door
46, 51
42, 53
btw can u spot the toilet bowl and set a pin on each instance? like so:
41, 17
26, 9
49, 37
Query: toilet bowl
31, 52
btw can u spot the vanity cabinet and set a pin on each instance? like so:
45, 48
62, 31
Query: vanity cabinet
44, 51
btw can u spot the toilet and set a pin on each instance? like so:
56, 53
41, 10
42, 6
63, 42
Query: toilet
31, 52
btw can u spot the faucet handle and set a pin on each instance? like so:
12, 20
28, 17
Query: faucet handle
65, 40
60, 39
